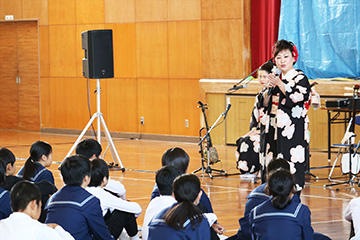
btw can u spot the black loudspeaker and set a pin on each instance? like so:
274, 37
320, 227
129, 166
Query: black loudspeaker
99, 59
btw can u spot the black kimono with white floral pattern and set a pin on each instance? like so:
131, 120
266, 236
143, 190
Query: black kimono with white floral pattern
286, 124
248, 146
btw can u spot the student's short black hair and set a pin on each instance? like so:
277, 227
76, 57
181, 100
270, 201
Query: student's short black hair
2, 172
99, 170
278, 163
7, 156
22, 193
164, 179
88, 147
176, 157
74, 168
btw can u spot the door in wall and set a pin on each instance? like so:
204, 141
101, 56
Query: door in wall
19, 76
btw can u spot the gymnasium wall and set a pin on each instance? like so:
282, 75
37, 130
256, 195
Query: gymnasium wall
161, 50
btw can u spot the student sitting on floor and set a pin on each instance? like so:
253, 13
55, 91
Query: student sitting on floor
261, 194
5, 209
257, 196
178, 158
91, 149
118, 213
183, 220
280, 217
74, 208
46, 188
35, 166
352, 214
10, 168
25, 200
164, 181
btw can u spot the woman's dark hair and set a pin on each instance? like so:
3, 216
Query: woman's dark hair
88, 148
2, 172
281, 184
283, 45
268, 66
22, 193
7, 156
186, 190
99, 170
176, 157
37, 150
74, 169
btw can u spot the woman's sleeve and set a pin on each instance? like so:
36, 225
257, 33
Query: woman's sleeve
297, 91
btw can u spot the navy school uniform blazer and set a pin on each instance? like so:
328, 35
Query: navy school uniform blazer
41, 173
5, 208
292, 222
158, 229
78, 212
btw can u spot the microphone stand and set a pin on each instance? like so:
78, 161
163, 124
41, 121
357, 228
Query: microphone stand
235, 87
208, 169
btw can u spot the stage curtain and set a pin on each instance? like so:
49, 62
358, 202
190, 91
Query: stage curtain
265, 16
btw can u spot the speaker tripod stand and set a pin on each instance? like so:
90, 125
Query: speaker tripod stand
100, 122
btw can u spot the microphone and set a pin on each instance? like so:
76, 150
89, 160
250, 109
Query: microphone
238, 87
201, 104
228, 106
277, 73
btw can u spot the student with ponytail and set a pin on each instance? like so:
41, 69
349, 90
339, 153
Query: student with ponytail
35, 166
183, 220
281, 217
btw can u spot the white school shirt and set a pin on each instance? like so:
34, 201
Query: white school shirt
155, 206
19, 225
352, 212
110, 202
116, 187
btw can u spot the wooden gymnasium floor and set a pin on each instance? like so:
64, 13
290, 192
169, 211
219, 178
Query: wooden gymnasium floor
141, 159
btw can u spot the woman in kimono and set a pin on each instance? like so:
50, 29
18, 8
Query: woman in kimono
248, 146
286, 122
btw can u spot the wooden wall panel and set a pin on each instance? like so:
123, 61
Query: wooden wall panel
62, 51
44, 51
122, 105
223, 50
45, 106
11, 7
216, 105
80, 53
153, 105
185, 49
28, 65
8, 73
150, 10
88, 12
36, 9
61, 12
238, 119
183, 10
219, 9
152, 50
119, 11
183, 97
124, 44
64, 93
